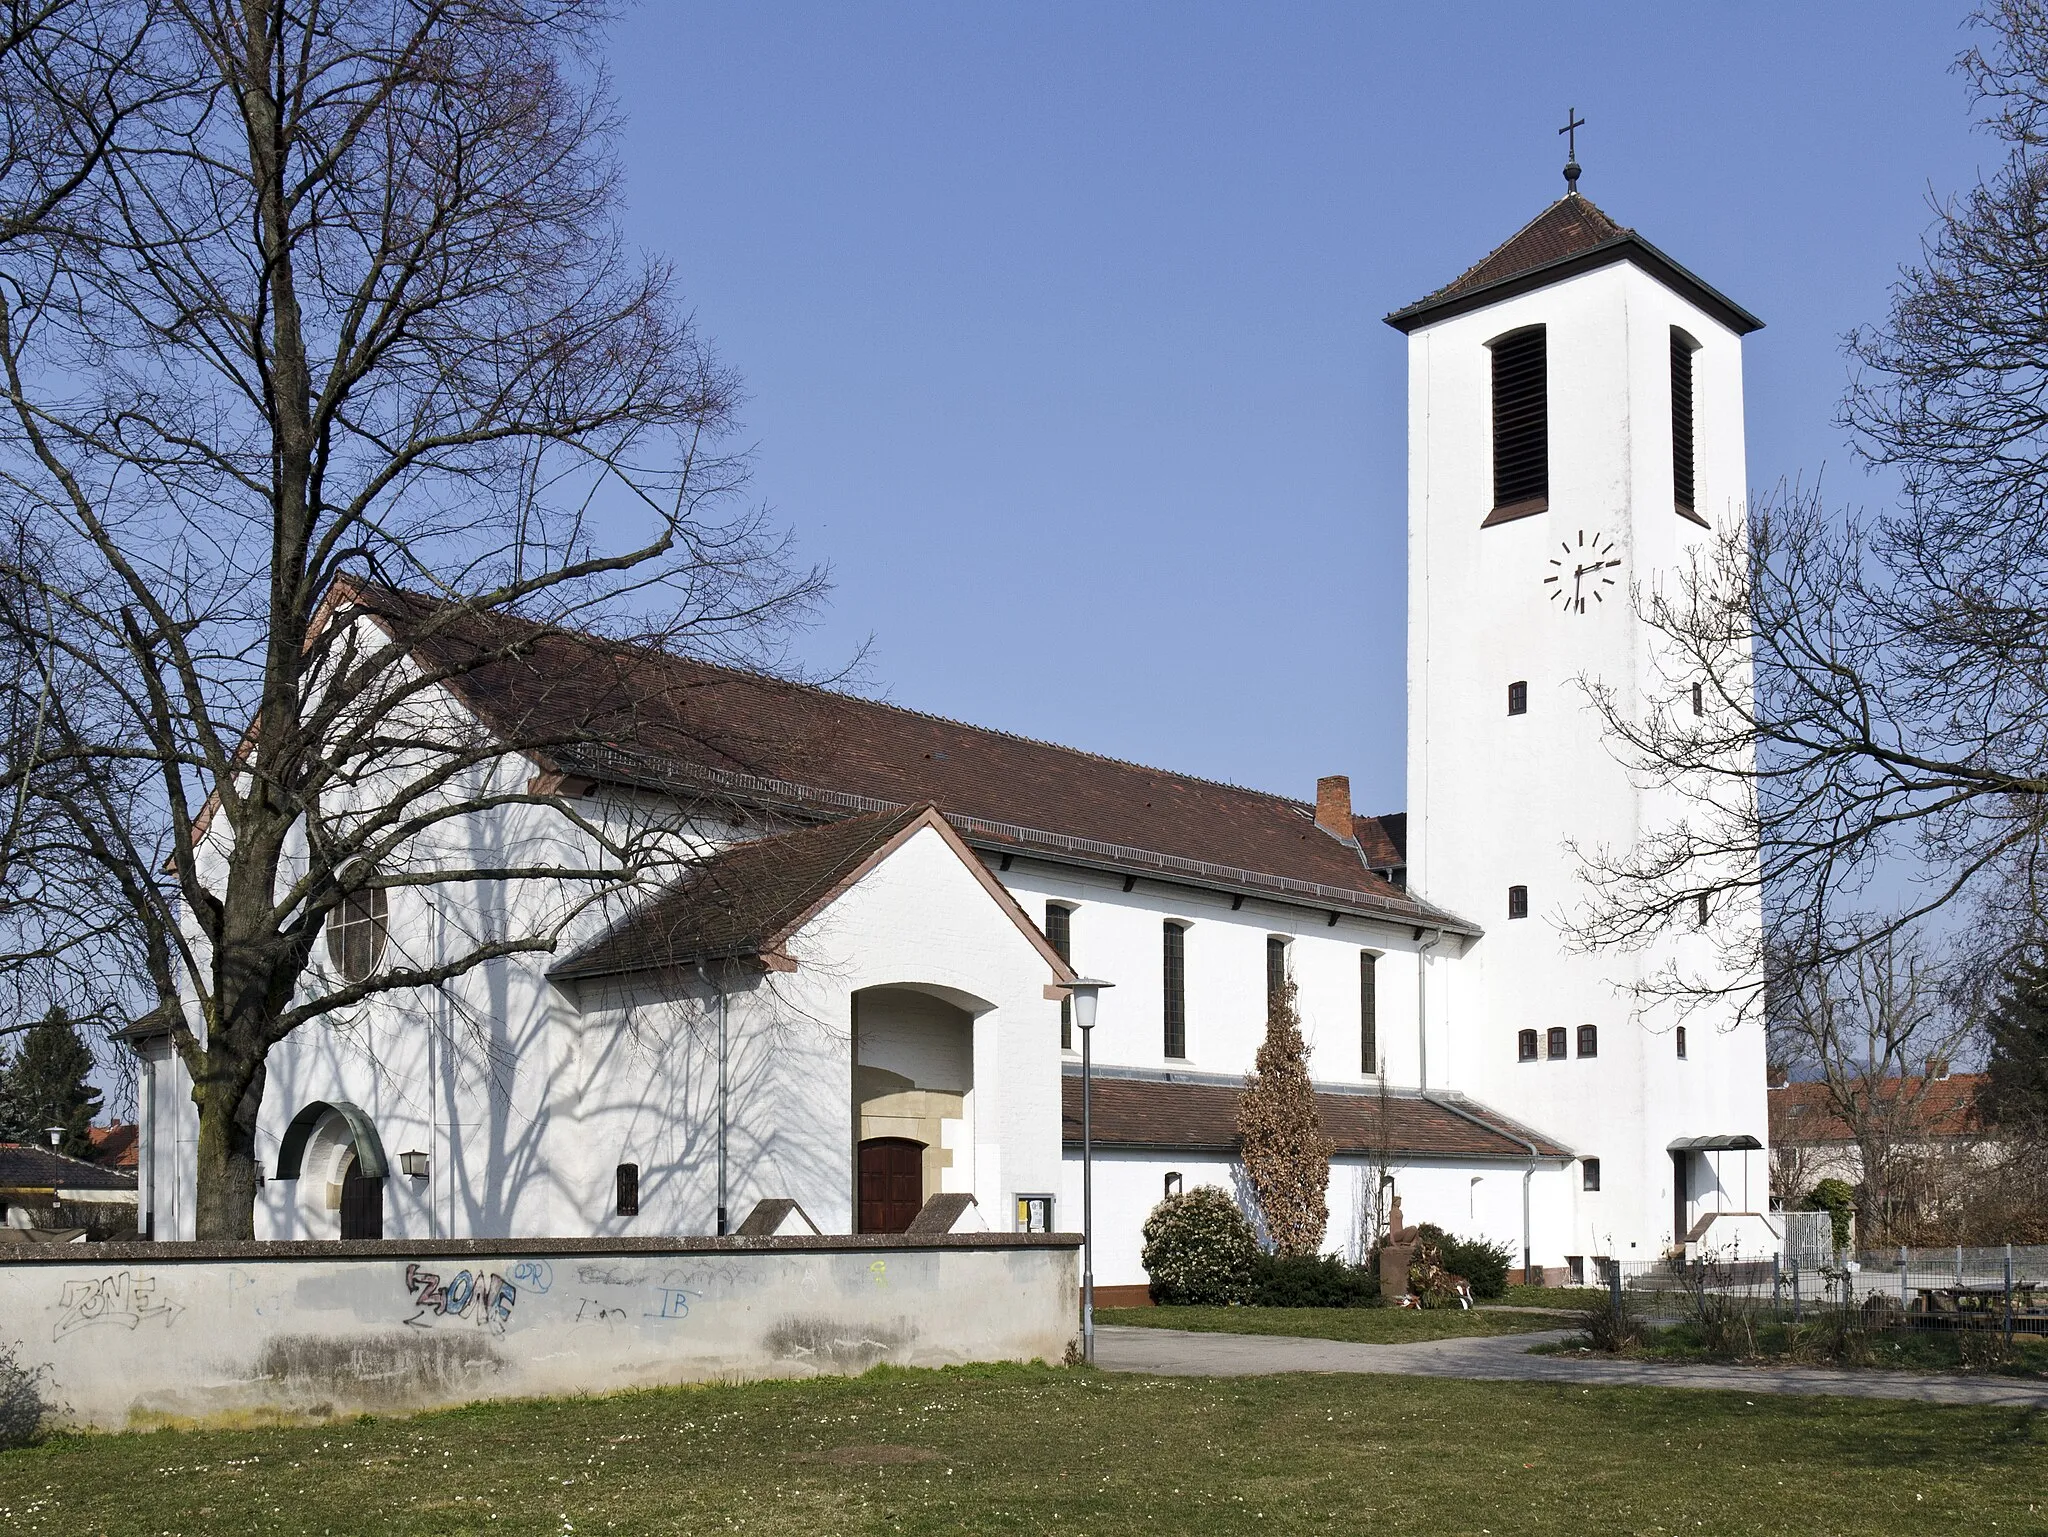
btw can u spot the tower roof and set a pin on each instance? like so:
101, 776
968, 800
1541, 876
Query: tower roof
1569, 237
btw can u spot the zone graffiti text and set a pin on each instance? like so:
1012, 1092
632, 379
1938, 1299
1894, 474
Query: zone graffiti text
123, 1298
485, 1299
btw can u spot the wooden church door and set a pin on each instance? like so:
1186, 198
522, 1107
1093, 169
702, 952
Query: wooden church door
362, 1203
891, 1183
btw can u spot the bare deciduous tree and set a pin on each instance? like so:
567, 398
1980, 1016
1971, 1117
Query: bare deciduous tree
330, 387
1879, 1030
1889, 766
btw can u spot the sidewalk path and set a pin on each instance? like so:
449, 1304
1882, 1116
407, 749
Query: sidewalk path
1505, 1358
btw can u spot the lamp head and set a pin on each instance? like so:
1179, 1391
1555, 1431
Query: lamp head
1087, 991
414, 1164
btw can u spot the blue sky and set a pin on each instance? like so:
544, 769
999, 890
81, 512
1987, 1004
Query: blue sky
1061, 323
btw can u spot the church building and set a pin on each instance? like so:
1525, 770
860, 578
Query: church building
851, 999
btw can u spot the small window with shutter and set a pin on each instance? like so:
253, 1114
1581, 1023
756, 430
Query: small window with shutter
1518, 698
1521, 425
1518, 901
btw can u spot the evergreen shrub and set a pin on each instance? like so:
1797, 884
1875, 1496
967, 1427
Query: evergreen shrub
1199, 1250
1313, 1281
1483, 1264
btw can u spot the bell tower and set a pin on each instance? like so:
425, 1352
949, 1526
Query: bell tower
1574, 433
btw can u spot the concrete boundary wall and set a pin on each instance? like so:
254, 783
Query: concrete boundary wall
137, 1334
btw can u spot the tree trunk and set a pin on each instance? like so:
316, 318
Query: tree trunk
225, 1207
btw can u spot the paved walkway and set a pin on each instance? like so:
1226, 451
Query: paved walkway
1505, 1358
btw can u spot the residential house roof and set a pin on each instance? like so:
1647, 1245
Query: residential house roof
1186, 1113
26, 1168
114, 1147
1568, 237
1804, 1113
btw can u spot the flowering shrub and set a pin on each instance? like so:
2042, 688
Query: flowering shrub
1199, 1250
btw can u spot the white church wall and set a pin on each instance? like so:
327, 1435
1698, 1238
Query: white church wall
1118, 936
1496, 800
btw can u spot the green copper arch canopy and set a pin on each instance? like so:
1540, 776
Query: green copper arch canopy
362, 1133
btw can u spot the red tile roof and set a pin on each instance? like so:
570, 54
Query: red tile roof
627, 714
114, 1146
740, 902
1383, 840
1570, 235
1201, 1117
1948, 1107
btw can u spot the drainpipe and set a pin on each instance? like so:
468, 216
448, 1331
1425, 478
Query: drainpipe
724, 1082
1422, 1007
1528, 1174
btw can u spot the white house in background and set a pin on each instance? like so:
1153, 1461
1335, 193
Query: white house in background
885, 905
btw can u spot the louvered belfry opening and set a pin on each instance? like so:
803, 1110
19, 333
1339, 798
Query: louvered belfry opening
1681, 420
1521, 424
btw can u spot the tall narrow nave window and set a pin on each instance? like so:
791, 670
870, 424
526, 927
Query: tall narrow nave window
1276, 969
1368, 1012
1176, 1012
1681, 421
628, 1190
1059, 933
1521, 423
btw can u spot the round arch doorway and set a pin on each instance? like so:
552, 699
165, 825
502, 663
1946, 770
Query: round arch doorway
891, 1184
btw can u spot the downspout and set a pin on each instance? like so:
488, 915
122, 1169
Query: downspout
1422, 1008
1528, 1174
724, 1081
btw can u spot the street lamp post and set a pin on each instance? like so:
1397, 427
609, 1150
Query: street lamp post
1087, 991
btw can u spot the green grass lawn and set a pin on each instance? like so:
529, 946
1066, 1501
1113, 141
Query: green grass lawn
1366, 1326
1015, 1449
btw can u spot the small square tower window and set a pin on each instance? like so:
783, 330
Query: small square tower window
1589, 1040
1518, 901
1681, 1043
1589, 1173
1699, 699
629, 1190
1558, 1041
1518, 699
1525, 1046
1699, 911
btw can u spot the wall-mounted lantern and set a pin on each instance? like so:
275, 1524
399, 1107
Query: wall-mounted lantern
414, 1164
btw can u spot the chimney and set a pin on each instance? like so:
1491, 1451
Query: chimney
1333, 806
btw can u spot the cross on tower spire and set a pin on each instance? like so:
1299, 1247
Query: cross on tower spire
1572, 124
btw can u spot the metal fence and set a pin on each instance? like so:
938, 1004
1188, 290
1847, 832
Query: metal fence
2003, 1289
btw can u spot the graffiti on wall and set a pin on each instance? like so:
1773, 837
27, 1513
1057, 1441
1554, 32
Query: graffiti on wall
483, 1298
123, 1298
